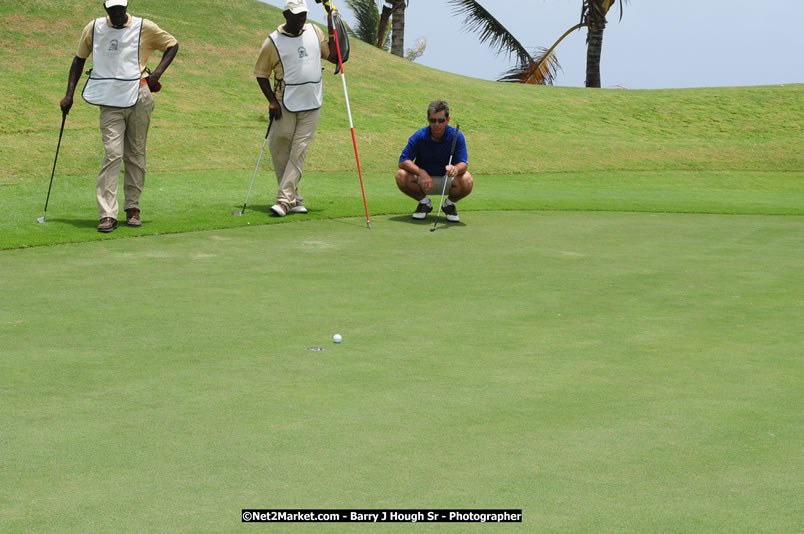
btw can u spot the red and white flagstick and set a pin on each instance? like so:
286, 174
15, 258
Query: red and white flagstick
351, 124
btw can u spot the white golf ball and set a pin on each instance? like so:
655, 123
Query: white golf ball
337, 338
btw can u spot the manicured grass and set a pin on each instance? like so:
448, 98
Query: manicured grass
189, 201
611, 340
605, 372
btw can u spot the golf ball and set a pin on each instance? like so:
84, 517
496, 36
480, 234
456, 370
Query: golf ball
337, 338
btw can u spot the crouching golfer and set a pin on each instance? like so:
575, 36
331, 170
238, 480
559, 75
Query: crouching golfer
119, 83
424, 164
293, 53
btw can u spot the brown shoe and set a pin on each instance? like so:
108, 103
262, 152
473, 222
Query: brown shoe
107, 224
133, 217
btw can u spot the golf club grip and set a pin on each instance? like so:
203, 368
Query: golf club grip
454, 142
270, 123
61, 133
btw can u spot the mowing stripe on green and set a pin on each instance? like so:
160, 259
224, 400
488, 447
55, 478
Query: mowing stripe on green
605, 372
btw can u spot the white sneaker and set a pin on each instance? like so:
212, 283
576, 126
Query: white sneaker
279, 209
422, 209
451, 212
298, 208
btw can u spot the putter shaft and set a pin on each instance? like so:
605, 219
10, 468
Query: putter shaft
444, 189
41, 220
259, 159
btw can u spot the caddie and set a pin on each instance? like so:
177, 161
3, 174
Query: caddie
120, 83
293, 54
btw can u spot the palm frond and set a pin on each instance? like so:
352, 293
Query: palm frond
598, 9
367, 17
543, 67
477, 19
417, 51
541, 70
621, 9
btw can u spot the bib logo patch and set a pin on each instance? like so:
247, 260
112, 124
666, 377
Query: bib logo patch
302, 52
113, 46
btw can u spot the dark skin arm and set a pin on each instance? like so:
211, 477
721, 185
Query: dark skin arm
167, 58
274, 109
72, 80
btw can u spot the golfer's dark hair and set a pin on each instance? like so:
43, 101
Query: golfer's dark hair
438, 106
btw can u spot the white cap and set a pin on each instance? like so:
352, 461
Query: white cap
112, 3
296, 6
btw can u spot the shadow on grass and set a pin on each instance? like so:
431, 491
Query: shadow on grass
77, 223
357, 223
266, 209
442, 223
260, 208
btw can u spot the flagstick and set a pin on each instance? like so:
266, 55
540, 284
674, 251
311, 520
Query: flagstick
351, 124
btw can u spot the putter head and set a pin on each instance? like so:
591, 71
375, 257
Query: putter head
41, 220
238, 213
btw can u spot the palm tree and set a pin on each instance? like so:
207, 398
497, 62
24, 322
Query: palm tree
367, 17
395, 11
541, 66
373, 28
367, 28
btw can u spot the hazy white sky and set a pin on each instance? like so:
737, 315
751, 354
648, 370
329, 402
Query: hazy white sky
658, 44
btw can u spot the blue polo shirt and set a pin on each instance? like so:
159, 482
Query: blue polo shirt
433, 156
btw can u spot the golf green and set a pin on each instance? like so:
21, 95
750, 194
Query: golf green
605, 372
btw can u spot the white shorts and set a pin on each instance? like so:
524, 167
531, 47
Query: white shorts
438, 185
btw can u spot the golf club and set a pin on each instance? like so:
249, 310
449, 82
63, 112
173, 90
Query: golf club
349, 111
41, 220
444, 190
236, 212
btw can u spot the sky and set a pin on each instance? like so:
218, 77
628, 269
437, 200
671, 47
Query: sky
658, 44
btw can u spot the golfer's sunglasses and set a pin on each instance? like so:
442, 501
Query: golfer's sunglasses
439, 121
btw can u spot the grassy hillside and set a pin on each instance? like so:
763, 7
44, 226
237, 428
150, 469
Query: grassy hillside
211, 111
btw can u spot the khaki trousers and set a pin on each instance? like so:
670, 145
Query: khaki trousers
288, 141
124, 133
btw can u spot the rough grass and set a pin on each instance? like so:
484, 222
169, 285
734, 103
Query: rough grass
211, 111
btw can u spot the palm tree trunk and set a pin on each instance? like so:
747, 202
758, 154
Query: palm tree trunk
398, 29
382, 27
594, 48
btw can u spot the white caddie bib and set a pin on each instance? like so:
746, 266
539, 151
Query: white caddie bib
114, 80
301, 61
